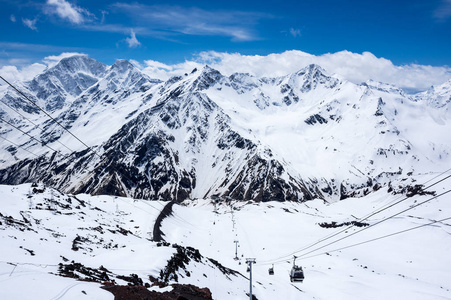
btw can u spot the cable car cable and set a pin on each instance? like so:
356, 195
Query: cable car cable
379, 238
379, 222
19, 146
365, 228
58, 123
368, 216
32, 137
37, 126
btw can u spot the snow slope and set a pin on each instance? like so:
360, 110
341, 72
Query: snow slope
39, 233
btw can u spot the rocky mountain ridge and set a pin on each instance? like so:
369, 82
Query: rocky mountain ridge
296, 137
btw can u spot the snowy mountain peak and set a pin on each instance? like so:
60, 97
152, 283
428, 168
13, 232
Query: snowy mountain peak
311, 77
207, 78
125, 75
437, 96
79, 63
122, 65
313, 70
297, 137
58, 86
243, 82
208, 69
383, 87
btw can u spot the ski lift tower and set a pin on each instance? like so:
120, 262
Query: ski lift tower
250, 261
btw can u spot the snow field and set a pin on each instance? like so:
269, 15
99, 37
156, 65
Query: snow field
412, 265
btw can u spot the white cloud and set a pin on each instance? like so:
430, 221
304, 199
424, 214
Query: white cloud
354, 67
162, 71
12, 18
295, 32
443, 12
65, 10
132, 41
30, 23
28, 72
237, 25
12, 73
52, 60
136, 64
104, 13
156, 64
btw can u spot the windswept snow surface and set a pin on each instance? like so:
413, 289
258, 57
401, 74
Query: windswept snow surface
38, 229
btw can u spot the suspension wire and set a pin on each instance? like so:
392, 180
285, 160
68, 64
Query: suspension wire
379, 238
19, 146
58, 123
435, 177
138, 207
381, 221
53, 119
19, 113
37, 126
65, 156
383, 208
40, 142
365, 228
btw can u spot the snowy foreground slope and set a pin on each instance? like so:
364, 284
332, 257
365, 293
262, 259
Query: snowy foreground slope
45, 233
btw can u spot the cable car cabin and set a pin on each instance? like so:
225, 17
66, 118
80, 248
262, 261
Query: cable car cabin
296, 274
271, 271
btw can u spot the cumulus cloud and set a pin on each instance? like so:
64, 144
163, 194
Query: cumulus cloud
136, 64
67, 11
132, 41
30, 24
237, 25
12, 73
52, 60
354, 67
12, 18
163, 71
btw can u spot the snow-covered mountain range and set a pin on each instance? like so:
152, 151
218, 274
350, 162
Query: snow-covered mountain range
297, 137
207, 142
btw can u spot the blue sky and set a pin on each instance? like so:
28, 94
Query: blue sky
405, 32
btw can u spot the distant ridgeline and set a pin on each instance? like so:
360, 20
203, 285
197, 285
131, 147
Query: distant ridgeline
297, 137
